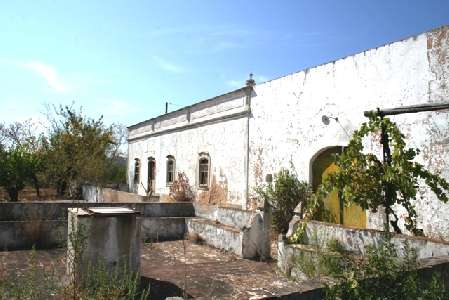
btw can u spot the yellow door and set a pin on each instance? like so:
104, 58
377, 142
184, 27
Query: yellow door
353, 215
332, 202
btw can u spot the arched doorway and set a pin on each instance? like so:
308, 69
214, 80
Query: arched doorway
323, 165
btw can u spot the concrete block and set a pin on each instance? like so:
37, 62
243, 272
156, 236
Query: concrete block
109, 238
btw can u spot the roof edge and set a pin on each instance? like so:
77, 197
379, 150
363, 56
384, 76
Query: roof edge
332, 61
167, 115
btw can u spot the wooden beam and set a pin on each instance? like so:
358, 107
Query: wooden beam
408, 109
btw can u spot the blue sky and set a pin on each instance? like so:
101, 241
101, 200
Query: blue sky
124, 59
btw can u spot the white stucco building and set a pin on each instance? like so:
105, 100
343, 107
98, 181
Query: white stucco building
227, 145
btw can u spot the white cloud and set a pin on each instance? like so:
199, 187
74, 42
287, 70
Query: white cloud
49, 73
167, 65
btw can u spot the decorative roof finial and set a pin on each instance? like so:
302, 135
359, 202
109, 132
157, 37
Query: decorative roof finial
250, 82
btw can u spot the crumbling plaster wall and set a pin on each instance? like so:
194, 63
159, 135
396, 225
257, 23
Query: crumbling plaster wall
222, 139
286, 123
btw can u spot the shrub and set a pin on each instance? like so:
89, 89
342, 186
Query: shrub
180, 189
284, 196
322, 259
385, 274
35, 282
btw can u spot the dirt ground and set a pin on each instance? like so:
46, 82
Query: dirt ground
186, 268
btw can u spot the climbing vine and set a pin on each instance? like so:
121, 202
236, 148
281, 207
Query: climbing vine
362, 177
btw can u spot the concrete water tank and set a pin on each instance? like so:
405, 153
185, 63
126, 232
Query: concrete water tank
103, 236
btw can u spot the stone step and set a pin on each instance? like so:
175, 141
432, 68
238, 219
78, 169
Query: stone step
218, 235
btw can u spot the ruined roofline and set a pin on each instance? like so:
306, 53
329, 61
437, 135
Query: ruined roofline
414, 36
170, 114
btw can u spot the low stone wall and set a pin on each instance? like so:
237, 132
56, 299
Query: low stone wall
355, 240
318, 234
427, 269
44, 225
96, 194
246, 233
156, 229
17, 211
30, 194
43, 234
230, 216
110, 195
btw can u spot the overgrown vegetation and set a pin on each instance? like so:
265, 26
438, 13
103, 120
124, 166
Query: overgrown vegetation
75, 150
318, 260
34, 282
384, 273
180, 189
285, 195
38, 282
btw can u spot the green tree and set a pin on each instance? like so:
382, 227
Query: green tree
18, 165
21, 157
362, 177
77, 152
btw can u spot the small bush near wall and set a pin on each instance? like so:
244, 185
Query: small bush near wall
42, 282
317, 260
284, 196
180, 189
384, 274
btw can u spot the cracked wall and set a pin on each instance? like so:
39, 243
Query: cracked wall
286, 126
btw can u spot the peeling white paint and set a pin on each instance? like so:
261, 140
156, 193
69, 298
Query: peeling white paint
285, 123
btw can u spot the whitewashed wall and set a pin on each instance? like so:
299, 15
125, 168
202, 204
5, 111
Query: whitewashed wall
223, 139
286, 112
285, 123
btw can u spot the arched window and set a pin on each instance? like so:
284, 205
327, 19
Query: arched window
151, 174
170, 169
136, 170
203, 170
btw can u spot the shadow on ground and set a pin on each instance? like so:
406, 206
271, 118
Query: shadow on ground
159, 289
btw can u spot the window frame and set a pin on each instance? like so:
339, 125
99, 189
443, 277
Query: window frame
203, 156
170, 159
